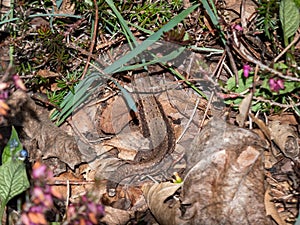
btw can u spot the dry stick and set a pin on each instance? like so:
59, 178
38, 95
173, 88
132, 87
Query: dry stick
217, 71
275, 103
288, 47
243, 16
70, 182
68, 195
219, 66
189, 122
233, 65
93, 39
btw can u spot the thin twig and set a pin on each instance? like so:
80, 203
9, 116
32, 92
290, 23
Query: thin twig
189, 122
206, 110
93, 39
249, 58
275, 103
288, 47
233, 65
70, 182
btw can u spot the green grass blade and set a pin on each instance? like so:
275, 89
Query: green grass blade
123, 23
174, 54
68, 103
149, 41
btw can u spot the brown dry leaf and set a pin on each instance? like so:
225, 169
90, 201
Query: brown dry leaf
156, 196
128, 145
75, 190
271, 208
46, 140
285, 118
116, 216
47, 73
66, 7
114, 117
244, 110
233, 11
225, 184
285, 138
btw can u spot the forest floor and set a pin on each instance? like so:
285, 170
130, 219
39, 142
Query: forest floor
150, 112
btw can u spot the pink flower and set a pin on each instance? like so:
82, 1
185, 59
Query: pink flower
18, 82
246, 70
39, 170
237, 27
276, 84
4, 95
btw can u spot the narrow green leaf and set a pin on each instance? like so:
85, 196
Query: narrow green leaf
210, 13
149, 41
58, 3
129, 100
163, 59
122, 21
297, 2
289, 17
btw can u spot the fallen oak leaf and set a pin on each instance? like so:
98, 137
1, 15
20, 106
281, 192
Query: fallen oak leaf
156, 196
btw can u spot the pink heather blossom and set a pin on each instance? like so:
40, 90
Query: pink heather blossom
276, 84
39, 170
237, 27
4, 95
18, 82
246, 70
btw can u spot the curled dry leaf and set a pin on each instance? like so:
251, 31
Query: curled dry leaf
285, 138
225, 183
156, 196
116, 216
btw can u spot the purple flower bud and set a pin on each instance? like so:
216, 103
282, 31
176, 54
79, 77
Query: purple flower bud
246, 70
48, 202
276, 84
37, 191
280, 83
18, 82
87, 222
237, 27
39, 171
92, 207
36, 209
4, 95
100, 209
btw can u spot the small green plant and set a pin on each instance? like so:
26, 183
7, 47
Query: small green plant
269, 88
13, 177
268, 18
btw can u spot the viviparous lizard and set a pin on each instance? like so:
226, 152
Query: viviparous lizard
154, 125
